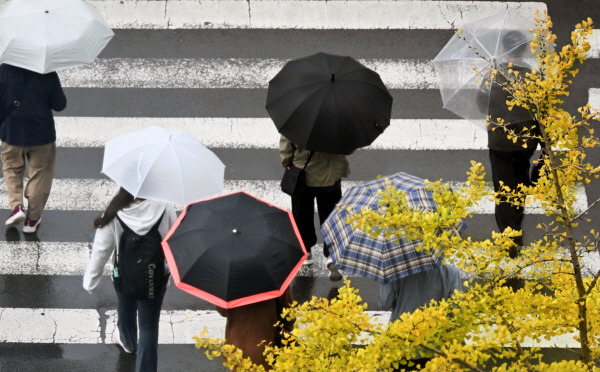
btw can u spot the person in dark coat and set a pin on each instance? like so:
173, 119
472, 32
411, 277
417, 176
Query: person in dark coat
510, 161
28, 134
322, 182
247, 326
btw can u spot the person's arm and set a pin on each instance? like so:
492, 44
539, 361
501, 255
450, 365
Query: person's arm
102, 248
387, 296
286, 151
58, 100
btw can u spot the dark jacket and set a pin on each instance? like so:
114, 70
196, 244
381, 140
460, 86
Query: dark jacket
26, 103
517, 119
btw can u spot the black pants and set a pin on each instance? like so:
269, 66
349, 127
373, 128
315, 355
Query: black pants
512, 168
303, 209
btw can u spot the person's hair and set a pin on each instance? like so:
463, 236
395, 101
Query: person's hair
510, 41
121, 200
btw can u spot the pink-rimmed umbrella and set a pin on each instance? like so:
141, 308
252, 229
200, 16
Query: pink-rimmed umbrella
234, 250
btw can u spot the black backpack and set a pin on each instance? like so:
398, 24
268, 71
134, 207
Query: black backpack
139, 270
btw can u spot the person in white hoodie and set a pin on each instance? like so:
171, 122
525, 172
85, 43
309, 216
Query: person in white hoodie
140, 216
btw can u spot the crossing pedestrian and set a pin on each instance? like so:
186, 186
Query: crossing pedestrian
407, 294
28, 135
249, 325
142, 217
322, 181
510, 160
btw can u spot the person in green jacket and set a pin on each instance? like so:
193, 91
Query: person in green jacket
322, 181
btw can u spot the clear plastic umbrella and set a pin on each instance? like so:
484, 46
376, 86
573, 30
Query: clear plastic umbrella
165, 165
466, 63
49, 35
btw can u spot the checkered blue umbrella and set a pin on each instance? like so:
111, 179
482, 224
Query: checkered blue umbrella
380, 259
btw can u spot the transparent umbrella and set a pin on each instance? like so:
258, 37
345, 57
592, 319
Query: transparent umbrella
464, 66
49, 35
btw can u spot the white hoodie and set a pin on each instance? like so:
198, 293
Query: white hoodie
138, 217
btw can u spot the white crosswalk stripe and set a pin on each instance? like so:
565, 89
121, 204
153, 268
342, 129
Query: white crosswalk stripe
80, 326
68, 259
94, 195
224, 73
302, 14
402, 134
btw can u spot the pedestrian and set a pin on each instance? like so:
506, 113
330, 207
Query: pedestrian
28, 135
249, 325
322, 181
407, 294
142, 217
510, 160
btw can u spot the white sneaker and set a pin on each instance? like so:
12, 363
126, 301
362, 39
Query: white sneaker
16, 216
308, 261
31, 226
334, 273
117, 336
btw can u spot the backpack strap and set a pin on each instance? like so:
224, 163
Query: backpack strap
308, 160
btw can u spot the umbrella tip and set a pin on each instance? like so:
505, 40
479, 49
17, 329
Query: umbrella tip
332, 77
378, 127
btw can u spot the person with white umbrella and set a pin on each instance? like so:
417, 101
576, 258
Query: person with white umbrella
38, 38
155, 168
28, 134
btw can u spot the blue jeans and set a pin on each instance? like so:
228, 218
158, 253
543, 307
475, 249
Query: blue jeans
147, 313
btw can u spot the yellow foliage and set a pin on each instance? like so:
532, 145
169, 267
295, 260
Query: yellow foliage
485, 327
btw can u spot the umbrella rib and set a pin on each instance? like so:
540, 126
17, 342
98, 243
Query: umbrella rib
181, 186
290, 91
298, 108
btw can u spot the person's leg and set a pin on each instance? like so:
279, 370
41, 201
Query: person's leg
148, 317
13, 167
41, 173
503, 169
522, 165
303, 209
327, 198
127, 321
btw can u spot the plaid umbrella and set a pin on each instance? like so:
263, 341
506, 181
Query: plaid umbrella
380, 259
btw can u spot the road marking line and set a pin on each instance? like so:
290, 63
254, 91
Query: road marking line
74, 194
332, 14
213, 73
594, 39
402, 134
71, 259
594, 98
83, 326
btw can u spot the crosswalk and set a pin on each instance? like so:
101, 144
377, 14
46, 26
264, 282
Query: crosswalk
203, 66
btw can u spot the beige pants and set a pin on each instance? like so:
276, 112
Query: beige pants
41, 161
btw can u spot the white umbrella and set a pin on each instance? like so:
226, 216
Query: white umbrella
466, 62
161, 164
49, 35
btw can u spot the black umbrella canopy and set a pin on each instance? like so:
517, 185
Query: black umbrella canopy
329, 103
234, 248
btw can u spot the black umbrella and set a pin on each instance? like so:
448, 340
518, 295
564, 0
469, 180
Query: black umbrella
329, 103
234, 250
